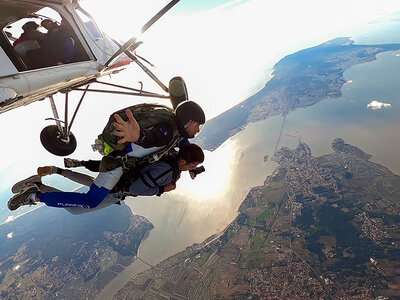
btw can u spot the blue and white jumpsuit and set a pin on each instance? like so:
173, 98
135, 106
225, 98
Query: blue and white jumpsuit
150, 140
153, 178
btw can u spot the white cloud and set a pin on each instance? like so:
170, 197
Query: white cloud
10, 235
374, 105
10, 219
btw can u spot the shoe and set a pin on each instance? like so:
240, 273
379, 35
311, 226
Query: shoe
48, 170
23, 184
23, 198
72, 163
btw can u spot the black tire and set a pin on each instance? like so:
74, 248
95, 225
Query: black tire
51, 141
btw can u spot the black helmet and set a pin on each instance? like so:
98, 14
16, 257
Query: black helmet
188, 111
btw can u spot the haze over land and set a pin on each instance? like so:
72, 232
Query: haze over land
299, 80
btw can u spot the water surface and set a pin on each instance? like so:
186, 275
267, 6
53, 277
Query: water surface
200, 208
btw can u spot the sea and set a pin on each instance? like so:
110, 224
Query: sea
205, 206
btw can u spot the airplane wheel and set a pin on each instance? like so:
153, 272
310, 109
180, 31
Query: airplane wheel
53, 142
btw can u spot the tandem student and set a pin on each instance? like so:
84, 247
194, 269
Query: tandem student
151, 179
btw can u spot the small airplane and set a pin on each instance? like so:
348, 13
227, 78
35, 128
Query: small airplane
35, 69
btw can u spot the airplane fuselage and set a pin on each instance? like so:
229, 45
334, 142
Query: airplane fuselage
28, 77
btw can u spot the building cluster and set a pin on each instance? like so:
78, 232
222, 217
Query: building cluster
372, 227
304, 174
285, 280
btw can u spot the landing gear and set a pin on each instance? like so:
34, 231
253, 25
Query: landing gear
54, 141
58, 139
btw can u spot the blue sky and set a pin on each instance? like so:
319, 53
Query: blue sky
190, 6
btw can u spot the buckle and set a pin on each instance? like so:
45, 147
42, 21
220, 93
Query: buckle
154, 158
124, 161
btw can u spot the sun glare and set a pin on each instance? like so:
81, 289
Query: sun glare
123, 19
213, 182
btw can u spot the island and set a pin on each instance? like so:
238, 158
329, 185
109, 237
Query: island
324, 227
299, 80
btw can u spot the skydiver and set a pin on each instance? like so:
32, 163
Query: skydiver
49, 24
189, 117
153, 179
30, 33
94, 166
58, 42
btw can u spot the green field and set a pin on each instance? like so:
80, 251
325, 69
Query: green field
256, 243
264, 215
251, 260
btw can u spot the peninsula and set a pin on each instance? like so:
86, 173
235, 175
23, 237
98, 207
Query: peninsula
299, 80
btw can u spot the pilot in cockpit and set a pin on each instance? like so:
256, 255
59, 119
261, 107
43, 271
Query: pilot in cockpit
30, 33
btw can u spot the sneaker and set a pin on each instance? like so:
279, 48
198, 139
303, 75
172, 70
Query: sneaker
23, 184
72, 163
23, 198
48, 170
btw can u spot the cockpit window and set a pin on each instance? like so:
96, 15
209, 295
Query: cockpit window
90, 24
40, 37
45, 13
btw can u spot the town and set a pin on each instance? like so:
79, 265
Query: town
302, 235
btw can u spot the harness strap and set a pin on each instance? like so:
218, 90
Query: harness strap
128, 162
163, 173
153, 180
146, 183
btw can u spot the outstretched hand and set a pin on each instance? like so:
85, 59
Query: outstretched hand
129, 131
169, 187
